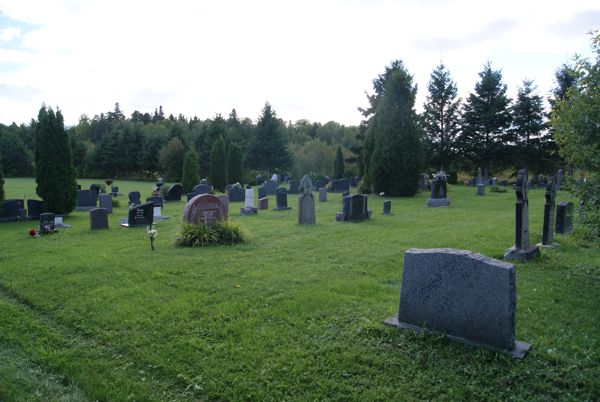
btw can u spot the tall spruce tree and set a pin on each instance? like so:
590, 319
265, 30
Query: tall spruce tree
393, 147
235, 164
55, 174
1, 188
190, 176
486, 138
338, 165
441, 119
269, 149
218, 165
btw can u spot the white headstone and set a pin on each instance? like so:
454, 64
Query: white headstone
275, 178
156, 212
249, 200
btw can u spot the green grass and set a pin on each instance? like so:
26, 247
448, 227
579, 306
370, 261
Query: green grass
295, 314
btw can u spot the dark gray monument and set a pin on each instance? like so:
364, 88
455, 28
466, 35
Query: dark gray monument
262, 192
270, 187
46, 223
156, 200
139, 215
564, 217
86, 200
204, 209
174, 193
98, 218
387, 208
10, 209
134, 198
549, 213
522, 250
236, 193
322, 195
294, 187
439, 192
354, 209
306, 202
340, 185
468, 297
480, 183
34, 209
106, 202
202, 188
281, 200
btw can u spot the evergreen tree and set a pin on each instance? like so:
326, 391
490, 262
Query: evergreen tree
269, 150
218, 165
171, 158
441, 119
1, 188
55, 174
486, 138
338, 165
393, 146
235, 164
190, 176
534, 145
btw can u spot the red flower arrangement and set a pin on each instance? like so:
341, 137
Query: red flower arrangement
33, 232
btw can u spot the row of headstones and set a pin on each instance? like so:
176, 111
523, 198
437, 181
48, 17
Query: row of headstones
14, 209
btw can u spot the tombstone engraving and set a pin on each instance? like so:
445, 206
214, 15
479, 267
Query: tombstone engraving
270, 187
522, 250
294, 187
468, 297
549, 213
322, 195
106, 202
140, 215
438, 192
387, 208
98, 218
86, 200
34, 209
248, 208
281, 200
559, 179
564, 217
306, 202
263, 203
340, 185
10, 209
236, 193
46, 223
204, 209
134, 198
174, 193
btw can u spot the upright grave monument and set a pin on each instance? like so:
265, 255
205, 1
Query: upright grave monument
522, 250
480, 183
86, 200
564, 217
281, 200
439, 192
549, 213
248, 208
139, 215
306, 202
204, 209
98, 219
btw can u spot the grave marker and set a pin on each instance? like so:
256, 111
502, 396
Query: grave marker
564, 217
98, 218
306, 202
106, 202
46, 223
140, 215
549, 213
86, 200
204, 209
281, 200
522, 250
34, 209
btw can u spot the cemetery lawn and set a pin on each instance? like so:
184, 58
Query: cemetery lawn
296, 314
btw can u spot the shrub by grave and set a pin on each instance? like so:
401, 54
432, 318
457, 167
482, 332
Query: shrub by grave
221, 232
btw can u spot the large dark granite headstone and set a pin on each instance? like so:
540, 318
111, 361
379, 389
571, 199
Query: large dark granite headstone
34, 209
439, 194
10, 209
202, 189
204, 209
387, 208
236, 194
174, 193
522, 250
469, 297
564, 217
281, 199
106, 202
135, 198
86, 200
140, 215
549, 213
354, 208
340, 185
98, 218
294, 187
46, 223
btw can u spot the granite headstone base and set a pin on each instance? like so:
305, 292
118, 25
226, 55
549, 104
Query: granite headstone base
438, 202
248, 211
522, 254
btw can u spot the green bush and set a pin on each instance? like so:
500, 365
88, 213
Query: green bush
116, 203
219, 233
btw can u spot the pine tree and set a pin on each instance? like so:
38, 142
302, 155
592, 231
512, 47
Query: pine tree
338, 166
441, 119
190, 176
218, 165
55, 173
1, 188
486, 138
171, 158
235, 164
393, 150
269, 150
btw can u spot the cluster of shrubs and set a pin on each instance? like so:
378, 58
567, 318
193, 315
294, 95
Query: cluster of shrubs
219, 233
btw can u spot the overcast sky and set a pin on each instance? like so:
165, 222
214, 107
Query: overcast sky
310, 59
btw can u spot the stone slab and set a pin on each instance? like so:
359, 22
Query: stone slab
438, 202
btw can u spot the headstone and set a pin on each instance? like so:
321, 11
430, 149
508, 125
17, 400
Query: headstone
294, 187
424, 182
202, 189
58, 221
248, 208
86, 200
494, 181
479, 176
156, 200
134, 198
262, 192
95, 188
114, 190
354, 208
34, 209
340, 185
236, 194
468, 297
174, 193
225, 200
438, 194
564, 217
271, 187
387, 208
281, 200
98, 218
106, 202
322, 195
559, 179
140, 215
481, 189
10, 209
275, 178
549, 213
263, 203
306, 202
321, 183
46, 223
204, 209
522, 250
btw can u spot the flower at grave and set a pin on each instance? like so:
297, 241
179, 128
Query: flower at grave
152, 233
33, 232
381, 194
47, 229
